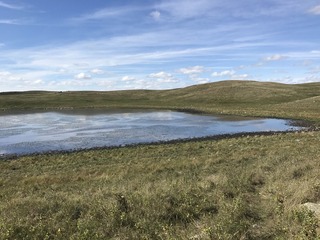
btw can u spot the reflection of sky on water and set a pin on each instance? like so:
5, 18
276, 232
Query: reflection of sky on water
38, 132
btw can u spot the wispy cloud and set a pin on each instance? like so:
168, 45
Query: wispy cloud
82, 75
72, 62
183, 9
105, 52
194, 73
163, 77
10, 6
188, 9
192, 70
18, 81
230, 74
223, 73
276, 57
16, 21
4, 74
105, 13
156, 15
97, 71
169, 39
11, 22
128, 78
315, 10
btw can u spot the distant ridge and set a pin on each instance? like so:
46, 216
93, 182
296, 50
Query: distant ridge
226, 97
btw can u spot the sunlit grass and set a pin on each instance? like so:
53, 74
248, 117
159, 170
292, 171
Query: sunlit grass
239, 188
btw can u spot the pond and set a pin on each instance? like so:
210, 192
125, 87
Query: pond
64, 131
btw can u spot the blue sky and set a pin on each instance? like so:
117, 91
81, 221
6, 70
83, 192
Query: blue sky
156, 44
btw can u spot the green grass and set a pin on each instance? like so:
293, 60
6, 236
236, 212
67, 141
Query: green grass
229, 97
236, 188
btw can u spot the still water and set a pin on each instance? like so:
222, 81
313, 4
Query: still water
57, 131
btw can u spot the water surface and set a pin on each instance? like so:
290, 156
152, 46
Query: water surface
58, 131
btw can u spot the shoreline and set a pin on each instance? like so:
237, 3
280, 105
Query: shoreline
310, 128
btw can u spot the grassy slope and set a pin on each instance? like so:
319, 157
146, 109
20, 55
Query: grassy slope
239, 188
230, 97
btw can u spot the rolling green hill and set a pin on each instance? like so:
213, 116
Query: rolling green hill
227, 97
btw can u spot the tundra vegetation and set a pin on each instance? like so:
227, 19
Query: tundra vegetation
246, 187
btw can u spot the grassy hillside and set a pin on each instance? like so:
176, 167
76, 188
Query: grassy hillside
249, 187
229, 97
238, 188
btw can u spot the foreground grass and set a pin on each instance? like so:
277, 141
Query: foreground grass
238, 188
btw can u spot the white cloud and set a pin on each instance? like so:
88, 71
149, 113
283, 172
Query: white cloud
201, 80
82, 75
160, 75
34, 82
62, 70
4, 74
240, 76
8, 77
97, 71
182, 9
275, 57
10, 21
156, 15
315, 10
223, 73
100, 14
13, 21
142, 50
163, 77
105, 13
230, 74
105, 52
24, 80
127, 78
315, 52
10, 6
188, 9
192, 70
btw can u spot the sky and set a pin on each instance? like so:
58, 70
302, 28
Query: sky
156, 44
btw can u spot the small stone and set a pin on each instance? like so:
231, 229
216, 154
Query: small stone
314, 207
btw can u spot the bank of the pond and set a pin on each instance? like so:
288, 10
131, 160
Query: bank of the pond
307, 127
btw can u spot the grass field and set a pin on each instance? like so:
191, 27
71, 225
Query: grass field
249, 187
228, 97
